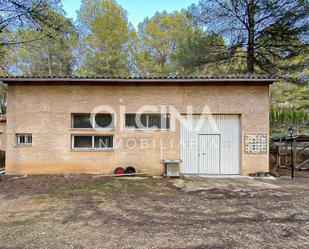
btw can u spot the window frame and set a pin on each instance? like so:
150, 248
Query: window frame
147, 121
27, 143
91, 129
73, 148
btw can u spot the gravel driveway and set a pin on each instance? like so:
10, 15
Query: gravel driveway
83, 211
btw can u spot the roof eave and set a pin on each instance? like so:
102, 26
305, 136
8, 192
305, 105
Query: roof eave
12, 80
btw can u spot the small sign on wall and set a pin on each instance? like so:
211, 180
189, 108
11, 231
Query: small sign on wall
255, 144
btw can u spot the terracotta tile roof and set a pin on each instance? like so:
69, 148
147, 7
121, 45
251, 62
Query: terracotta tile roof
243, 77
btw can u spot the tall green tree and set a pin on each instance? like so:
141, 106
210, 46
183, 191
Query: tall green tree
283, 118
270, 31
285, 95
6, 58
105, 39
159, 38
289, 107
16, 14
29, 27
206, 53
51, 55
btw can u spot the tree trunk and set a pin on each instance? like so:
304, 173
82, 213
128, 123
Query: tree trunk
49, 62
250, 47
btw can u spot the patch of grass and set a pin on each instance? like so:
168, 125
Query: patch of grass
26, 222
126, 185
131, 185
39, 197
93, 186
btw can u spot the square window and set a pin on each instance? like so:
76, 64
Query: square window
130, 121
24, 139
81, 121
82, 142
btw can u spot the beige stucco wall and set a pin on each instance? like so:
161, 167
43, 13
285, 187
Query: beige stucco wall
45, 111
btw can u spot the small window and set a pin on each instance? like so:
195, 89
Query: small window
148, 121
92, 142
103, 142
83, 121
130, 121
82, 142
24, 139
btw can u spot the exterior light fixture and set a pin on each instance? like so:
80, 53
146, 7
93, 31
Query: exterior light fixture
291, 131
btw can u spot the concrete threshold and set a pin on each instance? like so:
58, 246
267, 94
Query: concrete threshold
217, 176
230, 176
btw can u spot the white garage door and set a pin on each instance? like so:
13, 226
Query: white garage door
210, 144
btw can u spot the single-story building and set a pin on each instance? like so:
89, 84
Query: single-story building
214, 125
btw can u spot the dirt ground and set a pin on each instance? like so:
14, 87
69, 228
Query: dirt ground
84, 211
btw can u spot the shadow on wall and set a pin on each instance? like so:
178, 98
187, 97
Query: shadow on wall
2, 159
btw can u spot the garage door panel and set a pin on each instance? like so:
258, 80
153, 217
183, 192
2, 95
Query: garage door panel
209, 154
227, 126
189, 146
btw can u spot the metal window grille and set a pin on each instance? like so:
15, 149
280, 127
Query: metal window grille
24, 139
92, 142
